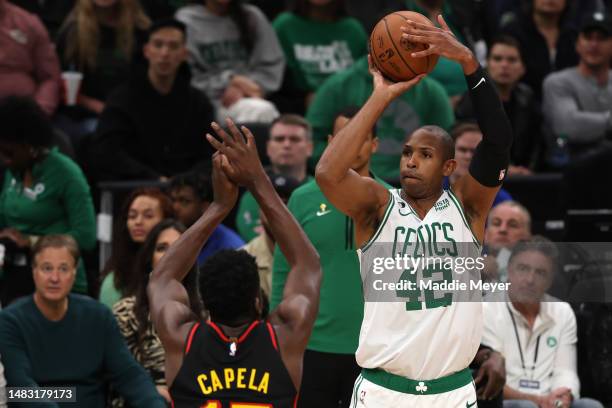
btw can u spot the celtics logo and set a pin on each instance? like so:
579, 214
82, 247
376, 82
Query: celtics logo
551, 341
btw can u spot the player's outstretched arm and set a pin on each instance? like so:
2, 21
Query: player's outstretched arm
295, 315
361, 198
478, 188
168, 299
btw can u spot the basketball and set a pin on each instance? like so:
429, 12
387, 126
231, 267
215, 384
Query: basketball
391, 53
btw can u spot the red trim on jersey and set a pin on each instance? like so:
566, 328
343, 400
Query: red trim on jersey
272, 335
297, 397
225, 338
190, 338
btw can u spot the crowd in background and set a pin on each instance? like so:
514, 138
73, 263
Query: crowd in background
154, 74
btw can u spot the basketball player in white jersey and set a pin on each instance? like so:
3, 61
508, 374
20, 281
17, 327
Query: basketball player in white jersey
415, 353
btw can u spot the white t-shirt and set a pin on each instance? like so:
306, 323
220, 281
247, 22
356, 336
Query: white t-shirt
555, 327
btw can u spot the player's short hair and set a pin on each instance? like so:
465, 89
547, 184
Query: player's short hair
56, 241
539, 244
200, 182
508, 40
447, 142
350, 112
295, 120
228, 285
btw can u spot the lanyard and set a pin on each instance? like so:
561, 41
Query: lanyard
520, 348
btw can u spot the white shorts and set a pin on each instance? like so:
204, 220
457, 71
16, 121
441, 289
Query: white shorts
366, 394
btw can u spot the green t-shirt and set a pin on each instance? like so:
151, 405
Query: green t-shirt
247, 217
336, 329
448, 73
59, 202
315, 50
425, 104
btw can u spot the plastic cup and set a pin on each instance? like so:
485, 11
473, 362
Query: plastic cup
72, 83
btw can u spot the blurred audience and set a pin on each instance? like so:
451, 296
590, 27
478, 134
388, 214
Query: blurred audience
28, 63
506, 67
467, 137
234, 55
425, 104
51, 12
318, 39
507, 224
448, 73
142, 210
54, 338
100, 39
289, 146
132, 312
44, 192
262, 246
191, 195
536, 333
152, 127
330, 368
578, 100
547, 39
2, 386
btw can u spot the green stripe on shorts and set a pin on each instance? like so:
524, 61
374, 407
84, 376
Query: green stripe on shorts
418, 387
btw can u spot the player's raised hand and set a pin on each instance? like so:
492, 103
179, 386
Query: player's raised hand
225, 190
391, 89
441, 41
244, 166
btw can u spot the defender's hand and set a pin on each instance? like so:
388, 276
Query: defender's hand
225, 190
494, 369
441, 41
391, 90
244, 166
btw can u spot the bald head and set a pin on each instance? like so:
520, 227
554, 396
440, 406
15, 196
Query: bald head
445, 142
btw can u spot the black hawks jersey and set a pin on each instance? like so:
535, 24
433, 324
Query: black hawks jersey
219, 372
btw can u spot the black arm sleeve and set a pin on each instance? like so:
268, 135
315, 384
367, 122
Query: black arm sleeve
492, 155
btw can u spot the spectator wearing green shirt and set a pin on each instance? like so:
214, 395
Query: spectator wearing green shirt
329, 362
54, 338
318, 39
44, 192
426, 103
288, 148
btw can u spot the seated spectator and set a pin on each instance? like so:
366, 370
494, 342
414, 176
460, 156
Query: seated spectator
547, 39
100, 39
234, 55
262, 246
141, 211
52, 13
318, 40
44, 192
467, 137
448, 73
578, 100
152, 127
28, 64
506, 67
370, 12
288, 148
54, 338
536, 333
191, 195
426, 103
132, 312
507, 224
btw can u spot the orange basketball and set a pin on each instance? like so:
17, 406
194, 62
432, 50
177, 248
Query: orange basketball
391, 53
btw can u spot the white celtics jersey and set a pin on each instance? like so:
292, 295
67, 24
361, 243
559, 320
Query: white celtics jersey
427, 336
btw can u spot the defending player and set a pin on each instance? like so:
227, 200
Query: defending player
416, 353
235, 359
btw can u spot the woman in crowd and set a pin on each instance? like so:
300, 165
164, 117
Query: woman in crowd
318, 39
547, 37
142, 211
44, 192
100, 39
132, 312
234, 54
